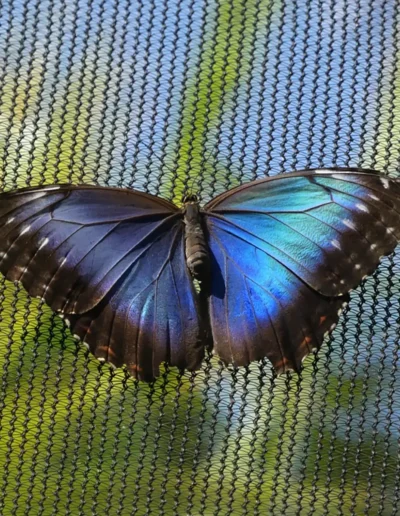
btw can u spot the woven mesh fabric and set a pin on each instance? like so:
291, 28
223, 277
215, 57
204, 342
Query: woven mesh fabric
168, 95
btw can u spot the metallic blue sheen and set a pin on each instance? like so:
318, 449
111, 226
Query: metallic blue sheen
286, 250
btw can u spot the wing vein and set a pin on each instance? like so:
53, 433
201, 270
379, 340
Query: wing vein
229, 223
267, 291
136, 244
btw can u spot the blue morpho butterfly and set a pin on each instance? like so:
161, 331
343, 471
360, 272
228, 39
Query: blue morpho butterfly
275, 259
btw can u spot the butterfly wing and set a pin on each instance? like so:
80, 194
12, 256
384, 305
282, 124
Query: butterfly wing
113, 262
286, 251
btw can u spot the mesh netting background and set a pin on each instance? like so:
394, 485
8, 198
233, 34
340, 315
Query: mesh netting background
164, 95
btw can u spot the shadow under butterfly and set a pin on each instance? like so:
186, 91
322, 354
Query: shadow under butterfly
275, 259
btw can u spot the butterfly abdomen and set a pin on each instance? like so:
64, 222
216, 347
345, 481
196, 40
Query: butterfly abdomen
196, 248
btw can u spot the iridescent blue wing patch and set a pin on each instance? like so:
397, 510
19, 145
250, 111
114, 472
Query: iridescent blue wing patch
112, 262
286, 251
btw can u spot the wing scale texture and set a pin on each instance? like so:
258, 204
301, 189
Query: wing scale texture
286, 251
112, 261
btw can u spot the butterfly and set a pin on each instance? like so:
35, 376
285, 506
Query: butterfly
273, 259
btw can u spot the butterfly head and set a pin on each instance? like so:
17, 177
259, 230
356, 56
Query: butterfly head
190, 198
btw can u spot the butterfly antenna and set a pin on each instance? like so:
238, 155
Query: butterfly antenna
199, 178
187, 189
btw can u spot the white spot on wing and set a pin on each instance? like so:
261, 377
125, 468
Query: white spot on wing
373, 197
46, 288
357, 266
25, 230
11, 219
338, 176
332, 327
349, 224
322, 171
362, 207
67, 323
76, 336
44, 242
336, 244
373, 246
101, 359
50, 188
385, 182
389, 230
86, 345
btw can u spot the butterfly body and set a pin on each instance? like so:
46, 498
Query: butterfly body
196, 248
275, 258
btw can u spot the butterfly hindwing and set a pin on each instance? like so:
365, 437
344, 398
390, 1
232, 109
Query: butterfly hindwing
153, 311
112, 261
260, 308
286, 250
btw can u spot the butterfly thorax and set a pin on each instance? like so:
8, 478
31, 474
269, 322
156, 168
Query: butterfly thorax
196, 248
